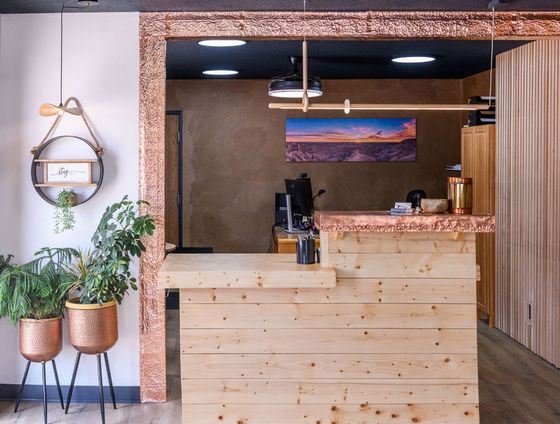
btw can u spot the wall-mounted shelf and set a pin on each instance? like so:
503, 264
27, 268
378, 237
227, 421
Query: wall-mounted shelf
43, 179
65, 160
67, 185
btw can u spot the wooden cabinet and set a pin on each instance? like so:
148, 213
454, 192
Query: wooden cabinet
478, 159
286, 243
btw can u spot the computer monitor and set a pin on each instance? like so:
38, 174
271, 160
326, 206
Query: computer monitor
301, 195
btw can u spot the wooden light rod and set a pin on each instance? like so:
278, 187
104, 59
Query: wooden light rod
347, 106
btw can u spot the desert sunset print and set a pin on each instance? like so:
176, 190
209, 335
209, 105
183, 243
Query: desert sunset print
351, 140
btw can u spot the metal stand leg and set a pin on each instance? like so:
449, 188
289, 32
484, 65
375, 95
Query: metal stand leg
57, 384
71, 389
110, 379
44, 392
20, 393
100, 379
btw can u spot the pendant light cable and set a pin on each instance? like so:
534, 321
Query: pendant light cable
492, 30
49, 109
61, 47
305, 82
304, 20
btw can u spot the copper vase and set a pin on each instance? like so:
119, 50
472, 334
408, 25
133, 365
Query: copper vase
40, 340
459, 193
92, 329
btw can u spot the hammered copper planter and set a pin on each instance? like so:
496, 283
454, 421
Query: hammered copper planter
40, 340
92, 329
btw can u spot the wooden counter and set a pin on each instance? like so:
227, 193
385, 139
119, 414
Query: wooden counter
256, 270
394, 341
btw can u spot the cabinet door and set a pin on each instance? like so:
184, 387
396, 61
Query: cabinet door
478, 163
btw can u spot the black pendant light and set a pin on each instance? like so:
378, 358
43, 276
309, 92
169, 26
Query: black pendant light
291, 86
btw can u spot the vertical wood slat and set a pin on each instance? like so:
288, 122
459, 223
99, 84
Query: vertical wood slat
528, 194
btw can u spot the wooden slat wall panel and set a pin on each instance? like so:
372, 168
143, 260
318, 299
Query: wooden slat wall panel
363, 291
528, 195
403, 265
339, 316
328, 341
324, 391
421, 242
321, 365
394, 341
327, 414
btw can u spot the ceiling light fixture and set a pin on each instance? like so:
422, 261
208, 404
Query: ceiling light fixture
413, 59
222, 43
347, 106
291, 86
295, 85
220, 72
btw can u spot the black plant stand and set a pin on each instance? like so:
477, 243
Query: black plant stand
20, 393
100, 381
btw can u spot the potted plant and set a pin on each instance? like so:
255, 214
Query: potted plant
33, 295
63, 216
102, 276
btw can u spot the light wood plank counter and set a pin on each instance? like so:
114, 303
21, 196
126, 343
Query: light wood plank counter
393, 340
255, 270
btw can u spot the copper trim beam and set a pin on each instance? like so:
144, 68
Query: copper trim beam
351, 25
157, 28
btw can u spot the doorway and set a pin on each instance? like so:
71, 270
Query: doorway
157, 28
174, 178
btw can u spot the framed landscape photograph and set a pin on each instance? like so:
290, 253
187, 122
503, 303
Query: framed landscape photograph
351, 140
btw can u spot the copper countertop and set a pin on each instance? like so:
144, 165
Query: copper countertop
383, 221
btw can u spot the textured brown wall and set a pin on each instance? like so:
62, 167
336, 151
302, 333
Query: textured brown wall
234, 155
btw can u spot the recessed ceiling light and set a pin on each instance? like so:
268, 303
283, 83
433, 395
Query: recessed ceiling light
413, 59
221, 43
87, 3
220, 72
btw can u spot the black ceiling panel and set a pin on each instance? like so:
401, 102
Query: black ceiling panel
335, 59
44, 6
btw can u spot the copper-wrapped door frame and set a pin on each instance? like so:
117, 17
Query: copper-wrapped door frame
156, 28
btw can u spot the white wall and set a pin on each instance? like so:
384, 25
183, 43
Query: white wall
101, 69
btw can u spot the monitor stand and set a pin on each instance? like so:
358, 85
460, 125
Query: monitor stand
290, 227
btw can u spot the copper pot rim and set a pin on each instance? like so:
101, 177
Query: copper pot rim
41, 320
73, 304
459, 180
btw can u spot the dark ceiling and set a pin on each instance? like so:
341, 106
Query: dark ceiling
335, 59
43, 6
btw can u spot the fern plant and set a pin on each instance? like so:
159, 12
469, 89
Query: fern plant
35, 289
5, 262
63, 216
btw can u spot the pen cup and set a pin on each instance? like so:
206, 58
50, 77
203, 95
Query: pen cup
305, 251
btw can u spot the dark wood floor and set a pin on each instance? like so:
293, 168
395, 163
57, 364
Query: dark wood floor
516, 387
